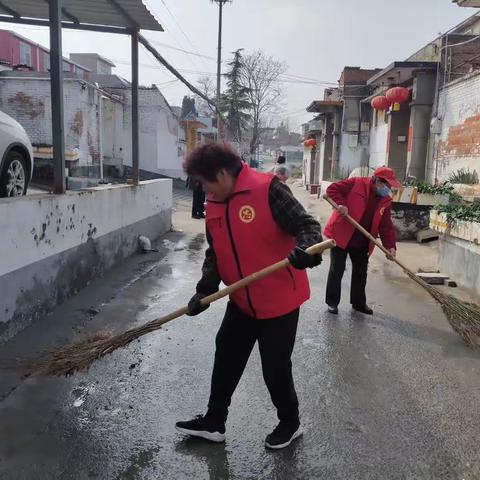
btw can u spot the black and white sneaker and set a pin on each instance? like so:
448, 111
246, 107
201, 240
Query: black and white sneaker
283, 435
201, 427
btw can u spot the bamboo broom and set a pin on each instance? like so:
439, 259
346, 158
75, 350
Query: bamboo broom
464, 317
79, 356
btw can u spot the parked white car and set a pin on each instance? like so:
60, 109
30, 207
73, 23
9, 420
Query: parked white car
16, 158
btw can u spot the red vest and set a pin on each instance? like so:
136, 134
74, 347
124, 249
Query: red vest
340, 230
246, 239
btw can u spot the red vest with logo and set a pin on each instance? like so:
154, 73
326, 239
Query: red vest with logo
246, 239
341, 230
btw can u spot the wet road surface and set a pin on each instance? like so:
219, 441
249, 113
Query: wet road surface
393, 396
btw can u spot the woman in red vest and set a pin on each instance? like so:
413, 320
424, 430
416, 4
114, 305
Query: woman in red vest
252, 221
368, 201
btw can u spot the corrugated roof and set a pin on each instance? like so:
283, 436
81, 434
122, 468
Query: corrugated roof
91, 12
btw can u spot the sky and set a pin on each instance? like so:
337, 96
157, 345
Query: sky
314, 38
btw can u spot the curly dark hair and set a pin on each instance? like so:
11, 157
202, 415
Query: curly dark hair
208, 159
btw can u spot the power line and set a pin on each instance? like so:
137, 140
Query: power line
179, 27
188, 52
143, 41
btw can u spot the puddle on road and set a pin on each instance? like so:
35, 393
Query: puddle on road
139, 462
197, 242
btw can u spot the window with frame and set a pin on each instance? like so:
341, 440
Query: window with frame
25, 54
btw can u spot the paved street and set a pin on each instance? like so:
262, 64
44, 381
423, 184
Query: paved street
393, 396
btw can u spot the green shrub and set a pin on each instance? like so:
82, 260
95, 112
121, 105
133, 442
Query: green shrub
464, 176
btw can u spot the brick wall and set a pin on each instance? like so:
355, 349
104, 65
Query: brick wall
458, 146
28, 101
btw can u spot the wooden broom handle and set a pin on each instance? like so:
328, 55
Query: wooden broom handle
244, 282
365, 232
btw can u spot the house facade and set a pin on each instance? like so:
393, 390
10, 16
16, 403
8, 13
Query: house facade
17, 52
428, 137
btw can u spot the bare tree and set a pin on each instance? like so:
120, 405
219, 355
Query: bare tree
261, 76
207, 87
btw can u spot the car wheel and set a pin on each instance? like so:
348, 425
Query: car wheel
14, 178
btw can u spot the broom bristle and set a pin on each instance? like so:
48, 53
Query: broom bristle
464, 317
79, 356
72, 358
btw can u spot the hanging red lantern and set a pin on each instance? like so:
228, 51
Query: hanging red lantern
397, 96
311, 142
381, 103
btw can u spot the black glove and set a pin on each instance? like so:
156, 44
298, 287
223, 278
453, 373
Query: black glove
195, 307
302, 260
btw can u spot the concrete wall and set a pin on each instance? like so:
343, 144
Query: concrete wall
378, 142
460, 260
458, 145
353, 152
53, 245
112, 133
398, 146
159, 134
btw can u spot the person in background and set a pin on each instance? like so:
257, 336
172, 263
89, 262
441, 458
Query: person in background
281, 170
253, 220
198, 202
368, 201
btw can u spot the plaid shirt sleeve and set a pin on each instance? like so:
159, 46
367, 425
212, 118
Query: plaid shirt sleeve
291, 217
210, 281
288, 214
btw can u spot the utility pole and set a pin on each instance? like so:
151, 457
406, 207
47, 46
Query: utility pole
219, 57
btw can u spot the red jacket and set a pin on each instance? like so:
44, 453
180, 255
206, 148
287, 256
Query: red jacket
354, 193
246, 238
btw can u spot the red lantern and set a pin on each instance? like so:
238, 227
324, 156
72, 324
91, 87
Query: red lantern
398, 95
381, 103
311, 142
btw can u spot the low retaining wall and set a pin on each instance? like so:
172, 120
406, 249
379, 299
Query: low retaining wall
460, 260
53, 245
459, 252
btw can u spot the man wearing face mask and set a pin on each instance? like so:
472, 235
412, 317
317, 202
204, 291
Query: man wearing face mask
368, 201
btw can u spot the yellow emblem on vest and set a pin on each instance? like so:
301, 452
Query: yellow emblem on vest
382, 210
247, 214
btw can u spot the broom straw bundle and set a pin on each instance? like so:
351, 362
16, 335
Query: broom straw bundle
463, 317
79, 356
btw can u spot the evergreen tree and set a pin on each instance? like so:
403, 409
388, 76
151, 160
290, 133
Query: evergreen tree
235, 103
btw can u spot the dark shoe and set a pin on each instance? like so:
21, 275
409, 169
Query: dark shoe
363, 309
196, 217
283, 435
333, 309
200, 427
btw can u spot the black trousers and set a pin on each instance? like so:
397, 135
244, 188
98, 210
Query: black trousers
359, 260
234, 343
198, 207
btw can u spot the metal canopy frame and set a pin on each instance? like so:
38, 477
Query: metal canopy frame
57, 13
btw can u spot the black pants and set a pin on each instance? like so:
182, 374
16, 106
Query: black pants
198, 207
234, 343
359, 260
